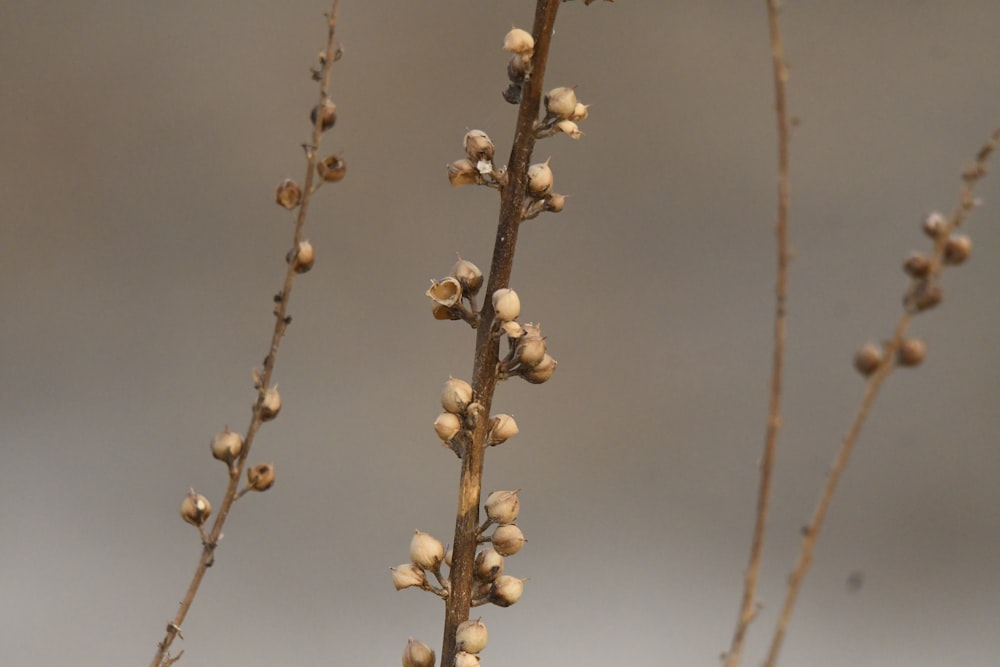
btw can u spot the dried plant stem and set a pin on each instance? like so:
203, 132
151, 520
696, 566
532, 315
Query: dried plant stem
811, 532
487, 344
282, 320
748, 606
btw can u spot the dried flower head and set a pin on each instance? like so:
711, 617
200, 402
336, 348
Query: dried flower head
520, 42
911, 352
868, 358
261, 476
288, 194
471, 636
328, 113
507, 539
332, 169
426, 551
407, 575
456, 395
503, 506
417, 654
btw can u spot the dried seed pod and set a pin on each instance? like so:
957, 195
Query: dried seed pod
328, 112
868, 358
288, 194
271, 405
463, 172
418, 654
447, 293
502, 427
917, 265
407, 575
569, 128
561, 102
507, 539
464, 659
195, 508
468, 275
227, 445
261, 476
445, 313
302, 257
478, 146
471, 636
911, 352
447, 426
542, 371
506, 304
456, 395
506, 590
426, 551
935, 224
539, 179
519, 41
517, 69
489, 565
332, 169
957, 249
503, 506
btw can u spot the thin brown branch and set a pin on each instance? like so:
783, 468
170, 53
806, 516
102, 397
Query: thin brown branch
748, 606
965, 204
487, 346
282, 320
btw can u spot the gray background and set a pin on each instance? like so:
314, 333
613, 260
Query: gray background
140, 248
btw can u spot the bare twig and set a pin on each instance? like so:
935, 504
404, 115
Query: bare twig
282, 320
487, 346
748, 607
965, 204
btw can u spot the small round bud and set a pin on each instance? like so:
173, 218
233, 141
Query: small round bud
555, 202
530, 350
261, 476
507, 539
456, 395
426, 551
328, 111
506, 590
407, 575
227, 445
503, 506
463, 172
506, 304
927, 294
502, 427
489, 565
447, 293
271, 405
195, 508
934, 225
957, 249
288, 194
418, 654
541, 372
512, 329
917, 265
561, 102
868, 358
539, 179
478, 146
447, 426
468, 276
519, 41
332, 169
471, 636
302, 257
464, 659
569, 128
580, 112
911, 352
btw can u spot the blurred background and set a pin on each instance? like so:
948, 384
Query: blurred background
141, 246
